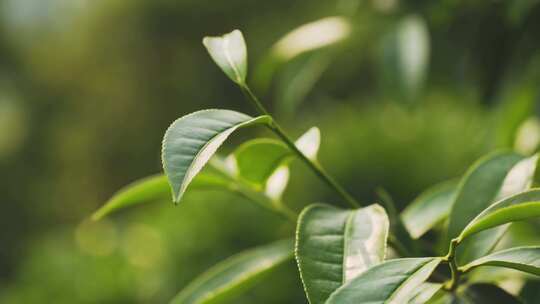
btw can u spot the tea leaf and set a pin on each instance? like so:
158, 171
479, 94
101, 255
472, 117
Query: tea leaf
191, 140
312, 36
479, 188
518, 179
151, 189
518, 207
143, 190
492, 178
392, 282
256, 160
235, 274
333, 246
229, 52
429, 208
525, 259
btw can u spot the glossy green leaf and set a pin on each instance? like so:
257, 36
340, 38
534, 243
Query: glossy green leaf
228, 278
333, 246
230, 53
518, 207
485, 294
151, 189
479, 188
518, 179
492, 178
429, 208
424, 293
392, 282
256, 160
526, 259
192, 140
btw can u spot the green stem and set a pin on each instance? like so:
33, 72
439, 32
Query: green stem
314, 166
454, 270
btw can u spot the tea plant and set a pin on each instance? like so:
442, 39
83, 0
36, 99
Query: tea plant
342, 254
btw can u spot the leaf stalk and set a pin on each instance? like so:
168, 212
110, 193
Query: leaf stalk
313, 165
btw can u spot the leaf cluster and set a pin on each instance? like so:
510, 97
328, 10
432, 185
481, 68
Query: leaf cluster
366, 253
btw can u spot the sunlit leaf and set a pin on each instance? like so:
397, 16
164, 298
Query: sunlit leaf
414, 50
429, 208
528, 136
333, 246
237, 273
392, 282
526, 259
518, 207
277, 182
191, 140
405, 58
230, 54
312, 36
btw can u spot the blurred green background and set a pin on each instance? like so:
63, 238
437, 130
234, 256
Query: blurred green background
410, 94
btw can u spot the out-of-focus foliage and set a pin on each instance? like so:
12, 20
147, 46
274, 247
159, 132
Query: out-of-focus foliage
87, 89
